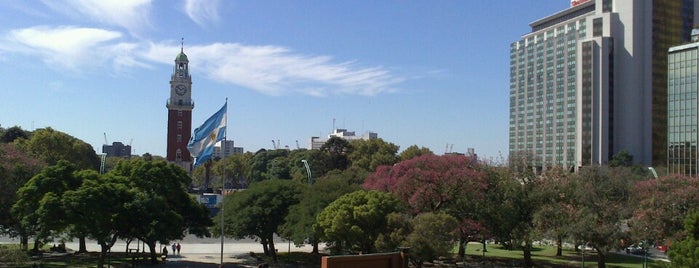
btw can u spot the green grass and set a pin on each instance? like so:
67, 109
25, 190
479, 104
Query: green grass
545, 256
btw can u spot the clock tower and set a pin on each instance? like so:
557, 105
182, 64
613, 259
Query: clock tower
179, 113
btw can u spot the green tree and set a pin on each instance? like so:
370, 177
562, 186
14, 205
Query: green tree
96, 207
36, 201
16, 168
684, 253
621, 159
369, 154
259, 211
52, 146
268, 164
600, 204
354, 221
336, 151
552, 218
414, 151
13, 133
300, 224
433, 236
160, 210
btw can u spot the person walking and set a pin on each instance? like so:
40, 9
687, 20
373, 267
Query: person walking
178, 248
174, 248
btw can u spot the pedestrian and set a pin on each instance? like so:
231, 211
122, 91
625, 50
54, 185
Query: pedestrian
178, 248
164, 253
174, 248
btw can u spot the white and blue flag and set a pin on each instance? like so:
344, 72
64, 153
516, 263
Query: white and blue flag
201, 145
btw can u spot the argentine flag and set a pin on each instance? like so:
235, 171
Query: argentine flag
201, 145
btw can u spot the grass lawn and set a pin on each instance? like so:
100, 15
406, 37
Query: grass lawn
545, 256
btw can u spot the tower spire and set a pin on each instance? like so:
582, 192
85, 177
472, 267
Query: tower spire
182, 46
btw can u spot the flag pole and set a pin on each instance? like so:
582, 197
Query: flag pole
223, 182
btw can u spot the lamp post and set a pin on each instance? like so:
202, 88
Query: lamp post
308, 171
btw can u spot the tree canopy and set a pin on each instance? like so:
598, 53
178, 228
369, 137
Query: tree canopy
259, 211
354, 221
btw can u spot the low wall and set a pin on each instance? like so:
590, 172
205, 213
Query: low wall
379, 260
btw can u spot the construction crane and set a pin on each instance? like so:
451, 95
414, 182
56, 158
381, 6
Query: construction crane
105, 138
274, 145
297, 145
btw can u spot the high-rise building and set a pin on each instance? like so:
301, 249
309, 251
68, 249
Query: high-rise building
682, 109
179, 118
590, 81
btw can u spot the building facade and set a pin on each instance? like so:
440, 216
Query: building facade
179, 119
588, 81
117, 149
682, 109
317, 142
226, 148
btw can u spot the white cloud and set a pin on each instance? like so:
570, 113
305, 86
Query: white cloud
130, 14
271, 70
276, 70
202, 12
70, 47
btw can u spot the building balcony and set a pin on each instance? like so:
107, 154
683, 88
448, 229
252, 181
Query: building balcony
180, 104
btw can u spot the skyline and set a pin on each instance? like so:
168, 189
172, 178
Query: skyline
418, 73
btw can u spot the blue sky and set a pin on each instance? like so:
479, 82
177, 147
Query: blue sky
426, 73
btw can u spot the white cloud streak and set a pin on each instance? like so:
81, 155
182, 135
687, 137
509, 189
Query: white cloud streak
70, 47
275, 70
202, 12
133, 15
271, 70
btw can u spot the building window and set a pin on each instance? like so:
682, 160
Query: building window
179, 137
179, 124
179, 113
178, 155
597, 27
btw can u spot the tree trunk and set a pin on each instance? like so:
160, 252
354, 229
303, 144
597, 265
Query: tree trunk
462, 247
484, 249
103, 254
36, 245
265, 249
83, 245
315, 247
601, 259
272, 249
153, 252
559, 246
24, 242
528, 254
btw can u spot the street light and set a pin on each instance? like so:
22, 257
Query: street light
308, 171
652, 170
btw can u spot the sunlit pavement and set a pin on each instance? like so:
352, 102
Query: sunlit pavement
194, 249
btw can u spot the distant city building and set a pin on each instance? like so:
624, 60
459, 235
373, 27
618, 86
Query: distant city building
225, 149
117, 149
682, 109
591, 81
317, 142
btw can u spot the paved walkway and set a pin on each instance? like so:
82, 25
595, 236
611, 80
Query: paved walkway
199, 252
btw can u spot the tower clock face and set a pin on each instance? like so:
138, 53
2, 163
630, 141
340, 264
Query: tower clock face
180, 89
